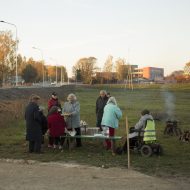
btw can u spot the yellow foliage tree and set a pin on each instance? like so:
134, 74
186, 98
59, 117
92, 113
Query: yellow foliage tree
7, 55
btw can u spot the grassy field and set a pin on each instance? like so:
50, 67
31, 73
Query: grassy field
176, 158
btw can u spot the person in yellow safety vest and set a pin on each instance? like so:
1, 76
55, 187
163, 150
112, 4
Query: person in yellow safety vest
149, 131
144, 128
141, 124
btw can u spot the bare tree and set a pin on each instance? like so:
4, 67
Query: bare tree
108, 68
121, 69
87, 68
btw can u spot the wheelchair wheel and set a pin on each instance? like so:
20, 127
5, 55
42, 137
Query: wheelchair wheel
146, 151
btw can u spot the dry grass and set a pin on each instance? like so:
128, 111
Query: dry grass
11, 112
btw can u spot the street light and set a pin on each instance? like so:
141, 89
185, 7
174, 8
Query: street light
42, 61
15, 49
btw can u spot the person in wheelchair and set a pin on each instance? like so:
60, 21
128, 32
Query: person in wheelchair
143, 131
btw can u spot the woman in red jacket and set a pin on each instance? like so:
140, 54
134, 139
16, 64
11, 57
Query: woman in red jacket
57, 127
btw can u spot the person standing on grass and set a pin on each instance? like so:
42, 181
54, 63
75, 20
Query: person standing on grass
44, 125
33, 124
53, 101
56, 127
71, 110
111, 116
100, 104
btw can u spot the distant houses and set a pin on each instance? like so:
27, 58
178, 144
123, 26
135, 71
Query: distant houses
151, 74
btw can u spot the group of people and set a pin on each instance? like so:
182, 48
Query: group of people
107, 115
60, 120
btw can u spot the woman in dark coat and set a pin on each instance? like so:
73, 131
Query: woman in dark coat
33, 124
100, 104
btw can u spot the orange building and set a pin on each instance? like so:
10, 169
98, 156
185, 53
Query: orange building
153, 73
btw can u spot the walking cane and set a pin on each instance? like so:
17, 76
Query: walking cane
128, 151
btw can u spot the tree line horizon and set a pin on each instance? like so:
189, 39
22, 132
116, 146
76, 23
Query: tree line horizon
84, 69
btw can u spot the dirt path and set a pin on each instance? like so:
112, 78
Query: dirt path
59, 176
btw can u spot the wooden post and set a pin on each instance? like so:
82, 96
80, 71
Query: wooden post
128, 151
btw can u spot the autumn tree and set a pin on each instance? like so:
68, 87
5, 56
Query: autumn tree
187, 69
108, 68
121, 69
21, 63
177, 76
78, 75
51, 73
29, 73
63, 74
87, 67
7, 55
40, 68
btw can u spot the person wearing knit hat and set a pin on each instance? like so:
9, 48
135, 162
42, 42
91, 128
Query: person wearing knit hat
53, 101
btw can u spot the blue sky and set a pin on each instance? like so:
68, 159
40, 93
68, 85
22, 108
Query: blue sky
144, 32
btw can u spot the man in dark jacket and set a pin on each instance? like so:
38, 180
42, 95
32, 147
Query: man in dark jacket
100, 104
33, 124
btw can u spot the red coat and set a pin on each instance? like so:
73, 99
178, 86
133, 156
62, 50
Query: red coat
56, 125
53, 102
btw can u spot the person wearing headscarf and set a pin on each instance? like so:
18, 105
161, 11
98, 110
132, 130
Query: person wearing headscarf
110, 119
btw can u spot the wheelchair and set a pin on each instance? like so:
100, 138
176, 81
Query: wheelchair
146, 149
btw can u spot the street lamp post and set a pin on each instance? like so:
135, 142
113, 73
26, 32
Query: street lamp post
16, 79
42, 61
